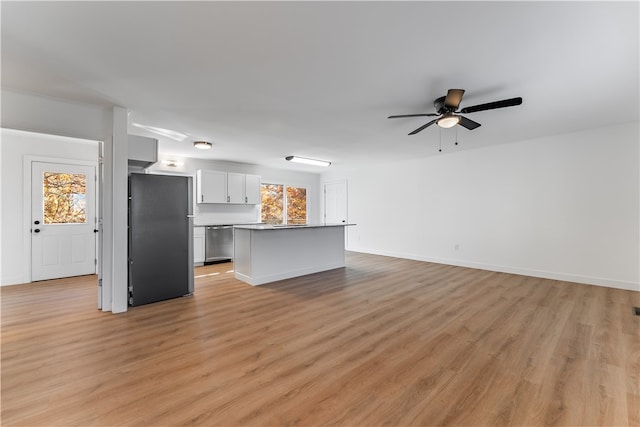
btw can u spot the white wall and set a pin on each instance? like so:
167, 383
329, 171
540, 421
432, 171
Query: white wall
14, 146
564, 207
34, 113
46, 115
233, 214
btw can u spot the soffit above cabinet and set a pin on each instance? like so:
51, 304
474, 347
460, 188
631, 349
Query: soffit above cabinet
142, 151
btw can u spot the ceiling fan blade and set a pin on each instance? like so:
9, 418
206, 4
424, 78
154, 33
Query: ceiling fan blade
492, 105
422, 127
412, 115
468, 123
454, 96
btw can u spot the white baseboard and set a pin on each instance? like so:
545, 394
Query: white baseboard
565, 277
14, 280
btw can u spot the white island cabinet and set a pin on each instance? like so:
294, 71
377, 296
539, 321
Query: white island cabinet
265, 253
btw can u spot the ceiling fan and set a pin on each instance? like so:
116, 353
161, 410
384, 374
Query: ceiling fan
447, 109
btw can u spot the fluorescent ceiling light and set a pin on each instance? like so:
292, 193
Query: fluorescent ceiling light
178, 136
203, 145
448, 121
307, 161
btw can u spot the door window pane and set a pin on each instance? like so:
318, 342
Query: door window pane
65, 198
296, 205
272, 196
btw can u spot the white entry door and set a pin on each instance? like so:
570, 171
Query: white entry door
335, 203
63, 220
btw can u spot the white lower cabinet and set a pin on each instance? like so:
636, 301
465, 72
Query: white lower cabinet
198, 245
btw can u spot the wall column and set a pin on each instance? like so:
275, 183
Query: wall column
119, 211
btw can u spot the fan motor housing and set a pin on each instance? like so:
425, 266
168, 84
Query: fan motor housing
439, 105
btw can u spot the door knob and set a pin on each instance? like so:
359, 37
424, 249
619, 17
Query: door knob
37, 230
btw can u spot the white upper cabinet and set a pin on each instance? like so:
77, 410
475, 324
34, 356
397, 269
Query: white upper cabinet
252, 189
235, 187
223, 187
211, 186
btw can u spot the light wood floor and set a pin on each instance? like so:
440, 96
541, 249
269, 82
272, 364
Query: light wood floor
383, 341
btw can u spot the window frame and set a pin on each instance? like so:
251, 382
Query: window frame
284, 200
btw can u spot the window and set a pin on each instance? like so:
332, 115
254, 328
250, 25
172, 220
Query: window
64, 198
296, 205
280, 202
272, 196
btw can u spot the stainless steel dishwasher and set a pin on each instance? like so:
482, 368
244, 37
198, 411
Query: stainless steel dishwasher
218, 243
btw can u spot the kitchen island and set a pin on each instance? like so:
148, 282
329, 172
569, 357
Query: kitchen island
265, 253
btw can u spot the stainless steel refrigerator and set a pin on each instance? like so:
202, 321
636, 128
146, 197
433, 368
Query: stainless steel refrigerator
160, 238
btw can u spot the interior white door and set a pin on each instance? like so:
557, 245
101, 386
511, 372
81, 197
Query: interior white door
63, 220
335, 203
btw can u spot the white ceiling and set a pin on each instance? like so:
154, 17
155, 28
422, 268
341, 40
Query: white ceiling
263, 80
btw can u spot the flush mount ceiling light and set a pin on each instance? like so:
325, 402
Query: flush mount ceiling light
307, 161
202, 145
448, 121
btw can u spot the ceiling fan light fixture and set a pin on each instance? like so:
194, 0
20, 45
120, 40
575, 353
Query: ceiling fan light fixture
306, 161
448, 121
202, 145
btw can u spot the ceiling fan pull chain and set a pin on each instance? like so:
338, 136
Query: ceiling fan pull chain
440, 143
456, 135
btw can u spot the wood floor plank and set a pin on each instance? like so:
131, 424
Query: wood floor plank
383, 341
